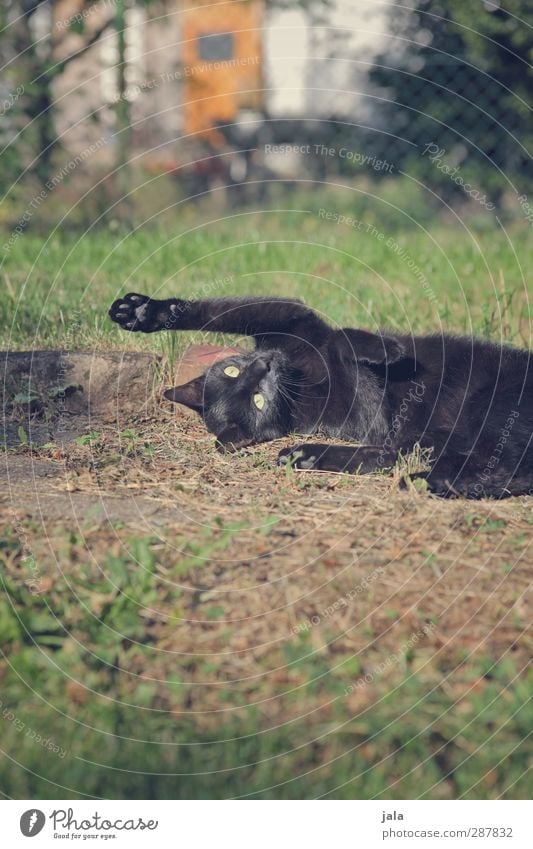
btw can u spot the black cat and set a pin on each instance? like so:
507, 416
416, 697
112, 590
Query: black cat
469, 400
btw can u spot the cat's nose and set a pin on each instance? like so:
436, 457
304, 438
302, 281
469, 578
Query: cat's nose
261, 366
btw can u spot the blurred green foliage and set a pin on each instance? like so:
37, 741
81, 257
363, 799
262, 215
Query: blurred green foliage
459, 75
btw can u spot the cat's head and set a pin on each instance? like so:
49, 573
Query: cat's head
241, 398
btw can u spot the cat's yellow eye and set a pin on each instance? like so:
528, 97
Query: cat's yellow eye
232, 371
259, 401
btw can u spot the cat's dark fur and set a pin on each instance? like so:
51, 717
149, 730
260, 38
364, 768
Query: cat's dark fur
469, 400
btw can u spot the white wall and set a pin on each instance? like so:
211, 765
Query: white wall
302, 58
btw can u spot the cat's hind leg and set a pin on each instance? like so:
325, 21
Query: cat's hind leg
457, 477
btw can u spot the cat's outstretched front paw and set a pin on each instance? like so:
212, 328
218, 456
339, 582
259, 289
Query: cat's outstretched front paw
137, 312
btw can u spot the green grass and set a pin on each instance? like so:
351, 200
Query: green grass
85, 664
126, 736
55, 292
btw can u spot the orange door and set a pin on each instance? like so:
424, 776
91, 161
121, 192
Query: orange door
222, 62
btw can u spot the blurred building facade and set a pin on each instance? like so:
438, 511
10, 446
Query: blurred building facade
196, 65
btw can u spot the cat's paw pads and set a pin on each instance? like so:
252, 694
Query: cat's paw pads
425, 482
415, 482
298, 457
132, 312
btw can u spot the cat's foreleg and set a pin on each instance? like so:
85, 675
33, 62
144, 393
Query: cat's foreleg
243, 316
337, 458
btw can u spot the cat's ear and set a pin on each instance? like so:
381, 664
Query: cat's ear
191, 394
372, 348
232, 438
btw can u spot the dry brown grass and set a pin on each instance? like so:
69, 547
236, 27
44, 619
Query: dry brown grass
350, 566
